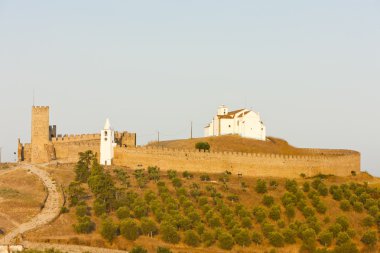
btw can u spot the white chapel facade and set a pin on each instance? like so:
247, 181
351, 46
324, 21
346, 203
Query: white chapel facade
243, 122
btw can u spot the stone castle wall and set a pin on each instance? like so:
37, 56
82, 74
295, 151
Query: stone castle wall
336, 162
68, 151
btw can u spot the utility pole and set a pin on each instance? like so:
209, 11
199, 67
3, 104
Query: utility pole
191, 130
0, 154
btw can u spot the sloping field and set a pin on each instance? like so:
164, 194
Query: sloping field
235, 143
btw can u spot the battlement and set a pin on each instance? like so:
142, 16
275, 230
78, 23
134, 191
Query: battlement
322, 154
40, 108
75, 138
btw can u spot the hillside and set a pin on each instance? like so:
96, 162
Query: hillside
235, 143
190, 212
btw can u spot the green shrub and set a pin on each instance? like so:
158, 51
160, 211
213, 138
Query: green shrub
326, 238
82, 210
169, 233
306, 187
290, 211
289, 236
64, 210
163, 250
267, 228
187, 175
345, 205
129, 229
268, 200
369, 238
348, 247
242, 238
309, 239
208, 238
122, 212
148, 227
192, 238
225, 241
138, 249
342, 238
202, 146
275, 213
291, 186
322, 190
257, 238
99, 207
246, 222
261, 186
276, 239
108, 229
176, 182
335, 229
321, 208
259, 213
154, 173
343, 221
205, 177
368, 221
358, 207
172, 174
84, 225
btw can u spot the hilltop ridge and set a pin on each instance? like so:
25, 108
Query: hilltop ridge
235, 143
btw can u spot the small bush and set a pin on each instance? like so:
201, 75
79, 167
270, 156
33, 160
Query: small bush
257, 238
129, 229
275, 213
369, 238
163, 250
345, 205
138, 249
192, 238
326, 238
276, 239
342, 238
205, 177
268, 200
202, 146
261, 186
225, 241
169, 233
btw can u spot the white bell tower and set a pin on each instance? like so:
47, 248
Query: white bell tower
107, 143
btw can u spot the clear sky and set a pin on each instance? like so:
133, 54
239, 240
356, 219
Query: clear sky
311, 68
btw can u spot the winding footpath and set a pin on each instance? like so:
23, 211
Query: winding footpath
50, 211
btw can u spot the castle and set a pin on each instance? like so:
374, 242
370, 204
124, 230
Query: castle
243, 122
46, 146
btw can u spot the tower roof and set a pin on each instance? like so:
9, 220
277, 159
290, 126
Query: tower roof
107, 125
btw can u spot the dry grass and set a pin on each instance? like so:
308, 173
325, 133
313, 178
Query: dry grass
235, 143
61, 231
21, 196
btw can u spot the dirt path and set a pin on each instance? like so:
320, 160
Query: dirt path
69, 248
48, 213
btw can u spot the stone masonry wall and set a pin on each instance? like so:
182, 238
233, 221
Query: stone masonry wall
39, 134
336, 162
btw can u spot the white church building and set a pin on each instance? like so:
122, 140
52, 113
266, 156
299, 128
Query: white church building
243, 122
107, 144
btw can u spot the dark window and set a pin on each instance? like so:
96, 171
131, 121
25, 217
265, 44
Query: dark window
105, 133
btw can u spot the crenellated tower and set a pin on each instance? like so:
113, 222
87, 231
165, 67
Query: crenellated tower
40, 134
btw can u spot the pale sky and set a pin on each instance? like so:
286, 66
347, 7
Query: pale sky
311, 68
